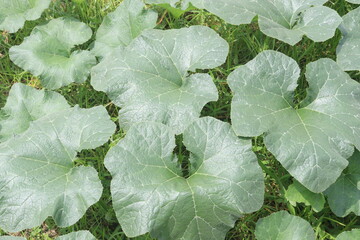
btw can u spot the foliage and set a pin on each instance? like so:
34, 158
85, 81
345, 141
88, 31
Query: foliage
150, 192
26, 104
11, 238
13, 14
349, 235
283, 226
312, 142
150, 78
297, 193
348, 51
344, 194
287, 20
80, 235
123, 25
354, 1
47, 53
43, 125
39, 177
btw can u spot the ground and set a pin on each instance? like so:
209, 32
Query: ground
246, 42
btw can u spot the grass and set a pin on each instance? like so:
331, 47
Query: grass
245, 41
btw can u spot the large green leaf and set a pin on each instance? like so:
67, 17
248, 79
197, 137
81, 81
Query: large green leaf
344, 194
80, 235
151, 79
286, 20
47, 53
349, 235
283, 226
14, 13
26, 104
312, 142
38, 176
150, 193
348, 51
297, 193
120, 27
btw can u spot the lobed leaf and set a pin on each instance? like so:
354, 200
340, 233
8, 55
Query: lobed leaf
47, 53
349, 235
13, 14
150, 194
286, 20
312, 142
344, 194
348, 50
80, 235
283, 226
151, 79
297, 193
39, 177
26, 104
123, 25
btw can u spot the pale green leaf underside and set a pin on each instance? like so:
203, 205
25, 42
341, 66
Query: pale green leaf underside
297, 193
151, 79
26, 104
123, 25
349, 235
348, 51
47, 53
312, 142
344, 194
150, 195
14, 13
286, 20
283, 226
80, 235
38, 177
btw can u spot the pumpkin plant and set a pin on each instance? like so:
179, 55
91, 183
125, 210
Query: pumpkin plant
175, 173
